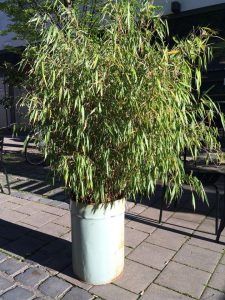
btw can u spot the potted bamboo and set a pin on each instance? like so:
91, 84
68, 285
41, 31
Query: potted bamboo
115, 103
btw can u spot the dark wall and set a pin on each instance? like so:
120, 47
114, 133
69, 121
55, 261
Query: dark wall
182, 24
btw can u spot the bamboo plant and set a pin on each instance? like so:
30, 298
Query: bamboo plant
117, 101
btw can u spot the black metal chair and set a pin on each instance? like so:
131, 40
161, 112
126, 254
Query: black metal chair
208, 179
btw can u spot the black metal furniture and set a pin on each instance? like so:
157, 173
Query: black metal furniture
213, 173
208, 175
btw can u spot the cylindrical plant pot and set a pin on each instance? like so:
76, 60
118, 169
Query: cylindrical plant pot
98, 241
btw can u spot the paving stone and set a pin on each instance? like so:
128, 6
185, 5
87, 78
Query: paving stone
112, 292
20, 185
134, 237
40, 257
3, 256
153, 214
56, 246
4, 197
54, 287
59, 261
208, 226
67, 236
30, 186
68, 275
167, 239
129, 205
211, 294
138, 208
27, 226
77, 294
45, 201
42, 189
18, 200
11, 215
54, 229
222, 260
207, 241
53, 210
64, 205
38, 235
11, 266
28, 209
59, 197
11, 231
189, 216
17, 194
64, 220
10, 205
56, 203
4, 284
217, 279
31, 197
181, 225
156, 292
54, 191
183, 279
39, 219
3, 241
34, 206
143, 226
127, 250
151, 255
25, 245
32, 276
17, 293
197, 257
130, 281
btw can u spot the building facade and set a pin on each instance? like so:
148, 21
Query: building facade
13, 114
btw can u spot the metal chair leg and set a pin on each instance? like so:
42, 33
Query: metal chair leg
222, 222
221, 228
162, 203
1, 188
217, 210
7, 181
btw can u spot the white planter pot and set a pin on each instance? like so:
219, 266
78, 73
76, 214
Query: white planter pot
98, 241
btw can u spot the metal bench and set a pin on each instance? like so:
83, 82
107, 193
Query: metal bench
208, 176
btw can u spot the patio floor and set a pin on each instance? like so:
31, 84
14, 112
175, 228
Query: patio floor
177, 259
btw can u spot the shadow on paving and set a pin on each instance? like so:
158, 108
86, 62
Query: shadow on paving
180, 229
30, 178
45, 249
16, 165
36, 247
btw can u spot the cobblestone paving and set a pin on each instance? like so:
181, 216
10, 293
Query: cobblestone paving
177, 259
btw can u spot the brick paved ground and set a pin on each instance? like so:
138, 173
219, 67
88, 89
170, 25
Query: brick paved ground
177, 259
